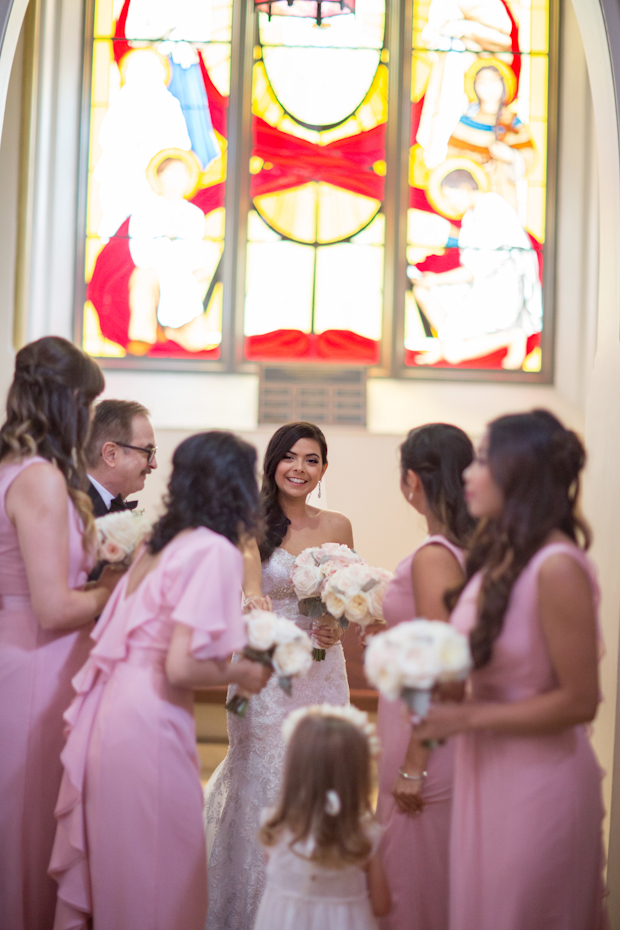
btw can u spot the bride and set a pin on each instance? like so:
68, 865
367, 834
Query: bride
249, 777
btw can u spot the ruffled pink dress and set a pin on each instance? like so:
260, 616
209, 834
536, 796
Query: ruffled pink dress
36, 668
526, 845
415, 850
130, 846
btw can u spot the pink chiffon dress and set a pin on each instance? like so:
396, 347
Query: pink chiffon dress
130, 847
526, 843
36, 668
415, 850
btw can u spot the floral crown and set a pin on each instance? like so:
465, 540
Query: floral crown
357, 718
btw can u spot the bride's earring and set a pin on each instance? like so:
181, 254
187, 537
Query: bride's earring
319, 488
410, 498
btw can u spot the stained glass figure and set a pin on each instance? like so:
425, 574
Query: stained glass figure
157, 172
476, 224
315, 255
315, 9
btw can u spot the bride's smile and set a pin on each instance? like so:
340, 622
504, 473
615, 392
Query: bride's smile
301, 468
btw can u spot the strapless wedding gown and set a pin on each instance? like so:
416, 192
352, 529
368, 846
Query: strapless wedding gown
248, 779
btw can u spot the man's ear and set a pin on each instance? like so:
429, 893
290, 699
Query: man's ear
109, 453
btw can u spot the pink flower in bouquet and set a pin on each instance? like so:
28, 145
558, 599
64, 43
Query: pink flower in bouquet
112, 552
307, 580
333, 565
307, 557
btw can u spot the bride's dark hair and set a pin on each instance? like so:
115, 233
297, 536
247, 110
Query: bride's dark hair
536, 463
213, 484
281, 442
439, 453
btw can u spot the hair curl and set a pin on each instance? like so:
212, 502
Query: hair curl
439, 453
213, 484
282, 441
325, 754
536, 463
48, 413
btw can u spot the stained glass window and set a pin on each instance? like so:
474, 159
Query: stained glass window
316, 230
477, 175
156, 178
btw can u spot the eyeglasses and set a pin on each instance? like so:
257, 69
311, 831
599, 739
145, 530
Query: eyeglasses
149, 451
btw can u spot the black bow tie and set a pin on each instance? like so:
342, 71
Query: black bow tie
119, 504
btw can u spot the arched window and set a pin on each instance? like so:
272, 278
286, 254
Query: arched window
291, 235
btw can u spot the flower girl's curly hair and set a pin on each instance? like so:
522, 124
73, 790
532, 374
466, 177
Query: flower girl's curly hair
282, 441
536, 463
326, 754
213, 484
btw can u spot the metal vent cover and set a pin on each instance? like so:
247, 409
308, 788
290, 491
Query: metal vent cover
327, 397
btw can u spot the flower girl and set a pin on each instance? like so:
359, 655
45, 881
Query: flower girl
324, 869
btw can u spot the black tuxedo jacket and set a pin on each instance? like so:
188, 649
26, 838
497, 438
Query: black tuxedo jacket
99, 507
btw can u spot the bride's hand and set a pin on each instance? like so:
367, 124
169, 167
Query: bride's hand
257, 602
250, 676
327, 634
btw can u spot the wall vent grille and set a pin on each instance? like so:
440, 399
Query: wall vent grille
326, 397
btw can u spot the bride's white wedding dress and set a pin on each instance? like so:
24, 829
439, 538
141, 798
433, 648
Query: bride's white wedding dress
248, 779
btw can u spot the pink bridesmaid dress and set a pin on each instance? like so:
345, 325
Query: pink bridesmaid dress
36, 668
130, 845
526, 844
415, 849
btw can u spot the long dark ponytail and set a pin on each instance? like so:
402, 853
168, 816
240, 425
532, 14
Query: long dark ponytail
439, 453
282, 441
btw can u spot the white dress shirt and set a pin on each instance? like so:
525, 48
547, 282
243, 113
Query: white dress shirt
105, 495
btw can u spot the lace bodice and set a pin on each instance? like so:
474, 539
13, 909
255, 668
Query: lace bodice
277, 584
248, 779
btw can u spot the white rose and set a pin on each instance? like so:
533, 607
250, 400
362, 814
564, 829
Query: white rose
286, 631
307, 581
124, 529
455, 656
334, 604
356, 608
261, 628
382, 667
293, 659
111, 551
420, 664
348, 581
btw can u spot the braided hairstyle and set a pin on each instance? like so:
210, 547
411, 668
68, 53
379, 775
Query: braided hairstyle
439, 453
282, 441
536, 462
48, 413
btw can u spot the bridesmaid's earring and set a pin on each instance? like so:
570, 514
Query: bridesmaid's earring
319, 488
410, 498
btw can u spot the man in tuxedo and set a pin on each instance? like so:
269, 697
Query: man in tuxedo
120, 454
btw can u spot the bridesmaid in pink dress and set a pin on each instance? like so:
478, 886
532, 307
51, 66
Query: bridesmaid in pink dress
130, 847
526, 844
45, 614
415, 785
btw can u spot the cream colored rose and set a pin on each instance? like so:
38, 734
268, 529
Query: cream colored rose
123, 529
420, 664
307, 581
334, 604
356, 608
307, 557
286, 631
375, 599
455, 656
293, 659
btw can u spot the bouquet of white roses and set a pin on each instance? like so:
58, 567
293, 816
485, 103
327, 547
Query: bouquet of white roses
311, 570
118, 537
279, 644
408, 660
355, 594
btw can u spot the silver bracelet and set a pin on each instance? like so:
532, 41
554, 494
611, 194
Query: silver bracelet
412, 777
